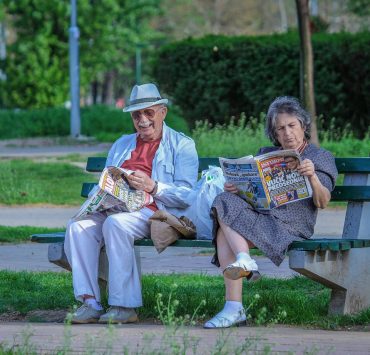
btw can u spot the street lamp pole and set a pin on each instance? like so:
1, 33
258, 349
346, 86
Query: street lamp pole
74, 74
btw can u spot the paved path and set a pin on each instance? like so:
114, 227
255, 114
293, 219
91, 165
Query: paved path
41, 147
155, 339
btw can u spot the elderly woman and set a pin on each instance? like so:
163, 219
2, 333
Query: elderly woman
239, 227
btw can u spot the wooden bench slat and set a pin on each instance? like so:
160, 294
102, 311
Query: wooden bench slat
340, 193
95, 164
329, 244
59, 237
353, 165
204, 163
311, 244
344, 165
351, 193
86, 188
48, 238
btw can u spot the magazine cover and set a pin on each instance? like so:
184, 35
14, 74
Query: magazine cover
281, 180
244, 174
269, 180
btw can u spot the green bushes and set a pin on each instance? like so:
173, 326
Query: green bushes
103, 122
247, 136
218, 77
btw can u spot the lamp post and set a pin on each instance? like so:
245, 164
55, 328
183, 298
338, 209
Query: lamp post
74, 75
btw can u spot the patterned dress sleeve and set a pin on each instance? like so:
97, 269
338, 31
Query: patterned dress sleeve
325, 168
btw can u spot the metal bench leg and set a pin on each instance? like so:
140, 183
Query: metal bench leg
345, 272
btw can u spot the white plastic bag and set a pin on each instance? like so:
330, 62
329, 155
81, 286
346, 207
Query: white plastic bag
200, 200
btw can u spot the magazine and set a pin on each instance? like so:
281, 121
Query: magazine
269, 180
114, 194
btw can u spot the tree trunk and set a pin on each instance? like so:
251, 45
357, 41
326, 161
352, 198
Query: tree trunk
94, 91
306, 65
108, 88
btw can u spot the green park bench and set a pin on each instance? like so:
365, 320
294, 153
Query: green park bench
340, 264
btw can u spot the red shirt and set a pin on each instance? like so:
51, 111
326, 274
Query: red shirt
142, 159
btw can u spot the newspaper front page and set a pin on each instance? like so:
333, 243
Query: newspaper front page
113, 194
244, 174
269, 180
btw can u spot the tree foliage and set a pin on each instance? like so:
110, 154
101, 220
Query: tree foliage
217, 77
37, 66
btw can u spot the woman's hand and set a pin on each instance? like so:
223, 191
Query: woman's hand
306, 168
140, 181
230, 188
321, 195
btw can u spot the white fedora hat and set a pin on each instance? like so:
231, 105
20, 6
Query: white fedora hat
144, 96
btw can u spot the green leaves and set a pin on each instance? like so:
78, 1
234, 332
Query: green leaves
37, 66
217, 77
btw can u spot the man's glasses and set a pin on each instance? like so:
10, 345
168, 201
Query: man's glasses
148, 113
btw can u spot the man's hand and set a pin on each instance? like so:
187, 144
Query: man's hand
140, 181
230, 188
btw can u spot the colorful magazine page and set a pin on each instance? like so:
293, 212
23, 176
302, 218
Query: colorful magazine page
244, 174
281, 180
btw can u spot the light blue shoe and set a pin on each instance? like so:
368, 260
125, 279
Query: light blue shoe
86, 314
223, 320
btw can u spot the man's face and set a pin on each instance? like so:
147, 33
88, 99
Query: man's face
149, 122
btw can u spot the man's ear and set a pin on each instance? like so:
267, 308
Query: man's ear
164, 112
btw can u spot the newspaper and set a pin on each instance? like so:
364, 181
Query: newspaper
269, 180
113, 194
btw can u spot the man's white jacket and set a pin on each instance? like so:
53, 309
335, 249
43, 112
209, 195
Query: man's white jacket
175, 167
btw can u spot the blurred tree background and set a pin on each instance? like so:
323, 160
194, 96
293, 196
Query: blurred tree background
34, 71
36, 62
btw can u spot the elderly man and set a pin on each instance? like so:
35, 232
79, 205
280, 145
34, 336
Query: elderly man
165, 164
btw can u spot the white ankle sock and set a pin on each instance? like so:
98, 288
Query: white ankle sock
230, 311
232, 307
243, 257
93, 303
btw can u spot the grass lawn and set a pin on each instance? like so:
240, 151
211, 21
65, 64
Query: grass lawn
29, 182
304, 301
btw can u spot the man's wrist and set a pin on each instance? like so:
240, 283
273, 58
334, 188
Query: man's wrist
155, 188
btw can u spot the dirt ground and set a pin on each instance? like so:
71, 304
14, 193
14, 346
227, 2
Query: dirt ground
54, 316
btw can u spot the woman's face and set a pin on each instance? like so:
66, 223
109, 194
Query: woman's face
288, 131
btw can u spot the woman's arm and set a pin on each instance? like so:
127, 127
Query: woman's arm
321, 195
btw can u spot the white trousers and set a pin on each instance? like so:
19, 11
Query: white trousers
117, 232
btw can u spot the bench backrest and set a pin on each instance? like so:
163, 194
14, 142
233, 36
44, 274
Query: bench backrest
347, 166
